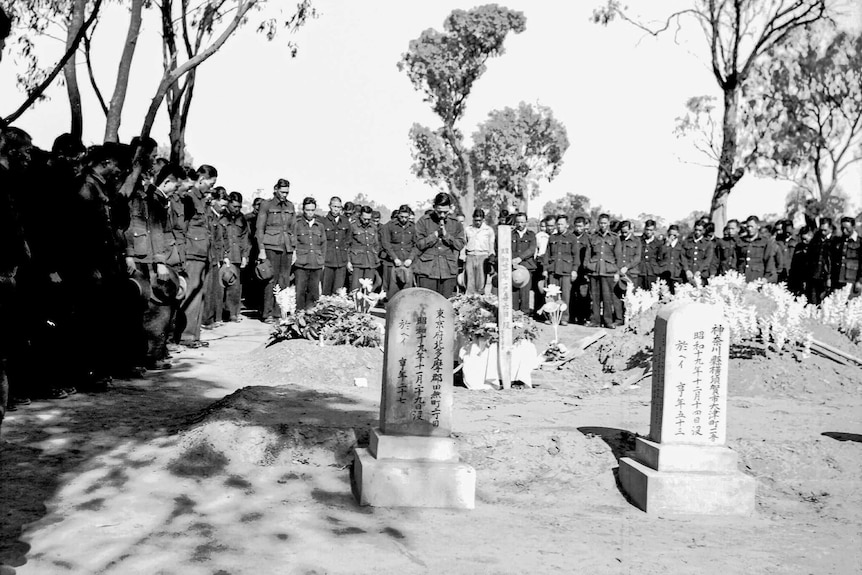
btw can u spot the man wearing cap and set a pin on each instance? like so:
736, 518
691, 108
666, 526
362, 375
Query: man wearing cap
439, 239
630, 268
561, 263
479, 247
604, 259
235, 245
363, 253
755, 253
397, 242
150, 252
275, 224
523, 254
310, 236
697, 254
337, 227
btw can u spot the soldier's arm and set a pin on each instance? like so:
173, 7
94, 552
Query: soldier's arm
261, 227
770, 271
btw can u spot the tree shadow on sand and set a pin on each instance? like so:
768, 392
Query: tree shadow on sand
47, 445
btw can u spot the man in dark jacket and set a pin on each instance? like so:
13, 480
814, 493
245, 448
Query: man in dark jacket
196, 211
630, 267
337, 226
561, 263
523, 254
846, 256
364, 248
724, 249
671, 264
819, 257
439, 240
275, 224
604, 256
397, 242
235, 242
310, 236
697, 254
652, 253
799, 275
150, 251
755, 253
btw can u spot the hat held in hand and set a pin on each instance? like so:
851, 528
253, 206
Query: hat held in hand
229, 275
263, 271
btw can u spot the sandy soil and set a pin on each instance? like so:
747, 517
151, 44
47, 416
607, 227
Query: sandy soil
237, 462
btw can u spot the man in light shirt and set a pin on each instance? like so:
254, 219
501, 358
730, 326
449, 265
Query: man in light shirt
480, 245
545, 226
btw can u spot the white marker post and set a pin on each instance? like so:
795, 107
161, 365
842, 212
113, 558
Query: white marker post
504, 305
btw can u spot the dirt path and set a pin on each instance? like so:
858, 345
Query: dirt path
154, 477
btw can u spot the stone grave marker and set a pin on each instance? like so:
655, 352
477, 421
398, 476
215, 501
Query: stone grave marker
412, 460
684, 467
417, 370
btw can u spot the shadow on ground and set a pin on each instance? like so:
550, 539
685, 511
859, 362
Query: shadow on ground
49, 445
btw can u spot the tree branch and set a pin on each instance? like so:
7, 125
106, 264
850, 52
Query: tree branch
40, 89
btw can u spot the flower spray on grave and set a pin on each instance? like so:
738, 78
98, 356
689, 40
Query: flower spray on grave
553, 309
476, 320
364, 298
334, 320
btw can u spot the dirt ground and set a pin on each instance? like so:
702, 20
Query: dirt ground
237, 462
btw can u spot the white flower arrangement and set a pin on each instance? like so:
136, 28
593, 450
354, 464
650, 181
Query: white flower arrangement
363, 298
286, 300
554, 308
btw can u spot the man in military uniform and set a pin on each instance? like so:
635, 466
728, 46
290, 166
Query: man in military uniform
785, 242
671, 264
439, 240
337, 228
604, 257
725, 250
150, 251
364, 248
755, 253
397, 242
819, 257
523, 254
235, 243
580, 304
310, 237
697, 254
652, 253
196, 212
561, 263
846, 255
630, 267
275, 224
799, 275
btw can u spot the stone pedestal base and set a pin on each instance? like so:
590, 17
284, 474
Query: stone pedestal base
412, 483
691, 480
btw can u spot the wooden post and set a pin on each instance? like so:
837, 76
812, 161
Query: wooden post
504, 305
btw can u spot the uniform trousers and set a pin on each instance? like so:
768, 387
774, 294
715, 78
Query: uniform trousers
228, 297
307, 287
601, 288
443, 286
565, 283
213, 307
474, 272
817, 291
156, 320
646, 281
192, 308
280, 262
620, 295
361, 273
538, 297
581, 305
334, 278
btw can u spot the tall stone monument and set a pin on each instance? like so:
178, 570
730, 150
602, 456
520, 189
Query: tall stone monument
412, 460
684, 467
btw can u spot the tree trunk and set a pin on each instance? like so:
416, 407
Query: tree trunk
467, 196
178, 139
118, 99
70, 72
728, 174
179, 115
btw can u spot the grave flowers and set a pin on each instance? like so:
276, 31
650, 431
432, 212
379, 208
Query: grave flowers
478, 333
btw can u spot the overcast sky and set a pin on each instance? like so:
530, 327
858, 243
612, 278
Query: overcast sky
335, 119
